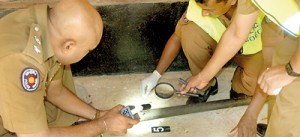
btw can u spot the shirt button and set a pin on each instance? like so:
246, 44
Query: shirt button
36, 28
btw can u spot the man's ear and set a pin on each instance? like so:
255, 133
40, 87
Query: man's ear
68, 46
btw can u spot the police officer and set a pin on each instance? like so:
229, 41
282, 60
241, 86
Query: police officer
198, 37
282, 79
37, 46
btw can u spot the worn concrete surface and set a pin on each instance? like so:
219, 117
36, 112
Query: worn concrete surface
110, 90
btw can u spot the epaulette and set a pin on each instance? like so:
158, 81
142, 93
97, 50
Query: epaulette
34, 48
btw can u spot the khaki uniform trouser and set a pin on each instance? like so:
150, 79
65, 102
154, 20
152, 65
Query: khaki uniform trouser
285, 120
283, 109
271, 36
198, 48
55, 116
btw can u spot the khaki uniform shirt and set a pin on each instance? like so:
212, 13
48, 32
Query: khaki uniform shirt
27, 68
246, 7
284, 119
198, 47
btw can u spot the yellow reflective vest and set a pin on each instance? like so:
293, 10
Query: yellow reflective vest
215, 28
285, 13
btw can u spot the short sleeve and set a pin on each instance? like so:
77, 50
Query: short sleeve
22, 92
245, 7
180, 23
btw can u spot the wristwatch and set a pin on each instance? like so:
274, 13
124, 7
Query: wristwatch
290, 70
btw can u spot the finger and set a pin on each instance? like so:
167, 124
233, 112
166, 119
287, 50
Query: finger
263, 84
233, 132
129, 126
193, 90
262, 76
265, 89
241, 132
131, 121
182, 89
186, 89
150, 90
145, 89
118, 107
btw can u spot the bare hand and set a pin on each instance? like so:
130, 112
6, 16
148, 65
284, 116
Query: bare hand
193, 82
245, 128
274, 78
117, 124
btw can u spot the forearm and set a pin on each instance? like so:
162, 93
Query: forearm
70, 103
256, 104
170, 52
87, 129
226, 49
259, 97
230, 43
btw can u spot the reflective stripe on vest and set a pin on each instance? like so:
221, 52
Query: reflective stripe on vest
284, 13
215, 28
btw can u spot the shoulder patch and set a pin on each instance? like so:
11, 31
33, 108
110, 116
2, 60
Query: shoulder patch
30, 79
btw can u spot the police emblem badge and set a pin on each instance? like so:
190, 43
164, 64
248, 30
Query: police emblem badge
30, 79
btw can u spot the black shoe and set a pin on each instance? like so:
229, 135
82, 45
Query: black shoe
212, 90
235, 95
261, 129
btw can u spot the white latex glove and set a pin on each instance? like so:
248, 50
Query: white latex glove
149, 83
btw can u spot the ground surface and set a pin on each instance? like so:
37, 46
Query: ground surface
110, 90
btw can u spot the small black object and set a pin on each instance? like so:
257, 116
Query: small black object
161, 129
261, 129
146, 106
234, 95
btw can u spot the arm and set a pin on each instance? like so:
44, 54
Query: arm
277, 77
171, 50
61, 97
247, 124
112, 122
230, 43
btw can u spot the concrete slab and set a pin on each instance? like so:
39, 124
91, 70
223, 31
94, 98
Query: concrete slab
109, 90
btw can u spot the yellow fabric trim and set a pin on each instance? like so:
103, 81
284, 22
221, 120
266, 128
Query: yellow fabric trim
215, 28
285, 13
253, 43
211, 25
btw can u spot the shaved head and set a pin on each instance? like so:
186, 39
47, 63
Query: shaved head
74, 25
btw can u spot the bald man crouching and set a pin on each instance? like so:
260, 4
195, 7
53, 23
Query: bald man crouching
37, 46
